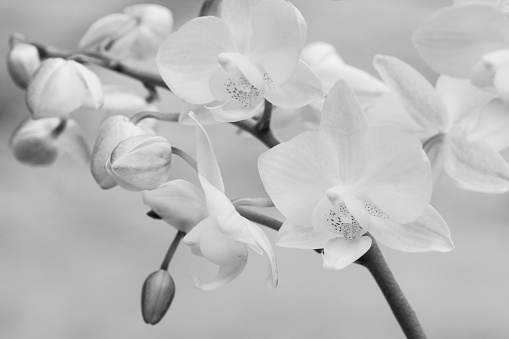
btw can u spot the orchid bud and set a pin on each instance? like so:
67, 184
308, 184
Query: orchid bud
22, 61
137, 33
141, 162
60, 86
112, 131
41, 142
156, 296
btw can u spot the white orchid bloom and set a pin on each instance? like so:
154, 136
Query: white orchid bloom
348, 178
460, 134
231, 64
469, 40
217, 231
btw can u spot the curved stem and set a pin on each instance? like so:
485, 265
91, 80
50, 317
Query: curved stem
186, 157
374, 261
135, 119
267, 137
171, 250
260, 218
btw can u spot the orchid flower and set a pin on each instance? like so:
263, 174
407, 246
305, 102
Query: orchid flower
460, 135
137, 33
231, 64
469, 40
217, 231
336, 184
328, 65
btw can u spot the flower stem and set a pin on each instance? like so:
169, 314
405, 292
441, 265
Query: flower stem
186, 157
256, 202
207, 7
374, 261
263, 125
171, 250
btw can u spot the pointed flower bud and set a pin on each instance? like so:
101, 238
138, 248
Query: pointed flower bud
136, 33
60, 86
112, 131
156, 296
22, 61
41, 142
141, 162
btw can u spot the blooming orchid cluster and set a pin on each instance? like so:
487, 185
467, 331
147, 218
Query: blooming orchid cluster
363, 172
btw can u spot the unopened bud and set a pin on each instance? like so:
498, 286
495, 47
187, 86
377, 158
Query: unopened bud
112, 131
22, 61
33, 143
60, 86
156, 296
141, 162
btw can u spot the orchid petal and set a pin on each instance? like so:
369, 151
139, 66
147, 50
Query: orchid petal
231, 111
296, 176
474, 165
220, 249
237, 15
276, 38
339, 253
261, 239
55, 90
193, 238
454, 39
304, 237
95, 98
187, 58
462, 100
179, 203
500, 82
344, 125
202, 114
416, 93
105, 30
225, 275
206, 158
74, 143
155, 18
493, 125
397, 177
428, 233
301, 89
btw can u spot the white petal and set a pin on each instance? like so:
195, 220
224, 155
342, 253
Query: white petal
415, 92
193, 238
237, 15
474, 165
343, 126
188, 57
180, 203
276, 38
206, 158
339, 253
220, 249
500, 82
428, 233
304, 237
397, 177
92, 83
225, 275
104, 30
74, 143
301, 89
456, 37
261, 239
296, 175
462, 100
493, 125
158, 19
202, 114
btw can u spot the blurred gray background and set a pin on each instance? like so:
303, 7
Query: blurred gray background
73, 257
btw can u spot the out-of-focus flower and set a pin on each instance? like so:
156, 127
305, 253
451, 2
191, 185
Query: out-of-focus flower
22, 62
323, 59
459, 134
502, 4
60, 86
232, 64
156, 296
469, 40
136, 33
41, 142
112, 131
215, 229
336, 184
140, 162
